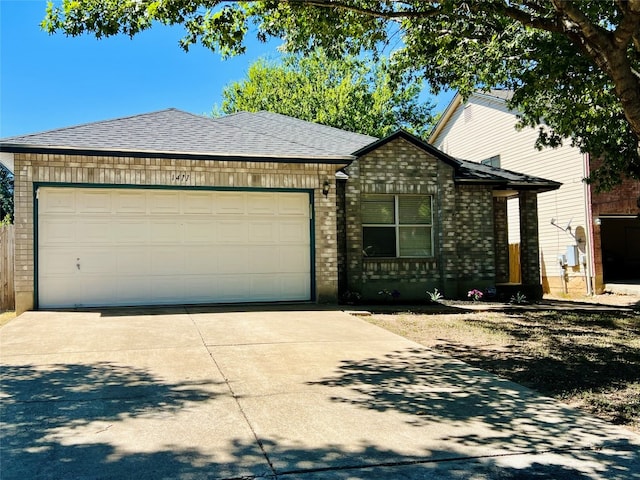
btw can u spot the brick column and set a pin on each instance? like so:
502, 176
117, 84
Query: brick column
529, 244
501, 236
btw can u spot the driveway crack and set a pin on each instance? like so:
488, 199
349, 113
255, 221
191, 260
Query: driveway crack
235, 398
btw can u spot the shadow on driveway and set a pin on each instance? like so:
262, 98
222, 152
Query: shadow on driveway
59, 421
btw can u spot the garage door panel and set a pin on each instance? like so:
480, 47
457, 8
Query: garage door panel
167, 261
132, 261
132, 290
138, 246
131, 202
293, 231
262, 232
60, 261
56, 201
294, 259
229, 203
232, 259
165, 231
167, 289
264, 287
296, 286
97, 261
201, 260
93, 201
264, 259
163, 203
202, 231
293, 206
59, 291
95, 231
232, 288
262, 204
131, 230
232, 231
198, 203
99, 290
202, 288
58, 232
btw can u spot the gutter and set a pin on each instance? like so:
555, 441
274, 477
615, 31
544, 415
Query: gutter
60, 150
590, 247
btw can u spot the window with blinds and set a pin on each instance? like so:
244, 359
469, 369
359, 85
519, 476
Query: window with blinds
397, 226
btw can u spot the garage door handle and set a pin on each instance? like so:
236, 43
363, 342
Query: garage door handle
78, 264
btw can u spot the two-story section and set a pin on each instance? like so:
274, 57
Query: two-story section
483, 130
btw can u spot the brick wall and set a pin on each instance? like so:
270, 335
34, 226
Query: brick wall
474, 237
70, 169
622, 200
501, 234
463, 226
529, 244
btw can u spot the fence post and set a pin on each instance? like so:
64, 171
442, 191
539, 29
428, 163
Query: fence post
7, 292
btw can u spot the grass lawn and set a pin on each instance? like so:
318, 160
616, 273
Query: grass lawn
6, 317
589, 360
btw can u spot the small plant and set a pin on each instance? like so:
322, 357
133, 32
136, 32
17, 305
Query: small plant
435, 296
519, 298
389, 295
350, 297
475, 295
6, 220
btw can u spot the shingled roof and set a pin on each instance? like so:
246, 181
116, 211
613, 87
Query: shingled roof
174, 132
465, 171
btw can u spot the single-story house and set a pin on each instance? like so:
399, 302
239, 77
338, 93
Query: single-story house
173, 208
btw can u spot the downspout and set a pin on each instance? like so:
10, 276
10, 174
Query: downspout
590, 249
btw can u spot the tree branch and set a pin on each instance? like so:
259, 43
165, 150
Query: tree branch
628, 26
591, 33
528, 20
390, 14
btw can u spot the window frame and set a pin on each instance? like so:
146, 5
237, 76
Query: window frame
493, 161
396, 225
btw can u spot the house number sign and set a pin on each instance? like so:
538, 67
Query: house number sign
181, 177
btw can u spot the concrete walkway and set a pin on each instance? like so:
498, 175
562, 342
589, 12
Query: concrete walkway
191, 393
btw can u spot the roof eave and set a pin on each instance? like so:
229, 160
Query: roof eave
538, 187
416, 141
444, 118
65, 150
6, 160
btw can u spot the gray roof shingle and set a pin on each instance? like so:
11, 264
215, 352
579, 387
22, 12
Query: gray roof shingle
471, 172
262, 134
476, 172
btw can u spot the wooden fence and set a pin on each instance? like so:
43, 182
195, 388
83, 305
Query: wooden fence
514, 263
7, 293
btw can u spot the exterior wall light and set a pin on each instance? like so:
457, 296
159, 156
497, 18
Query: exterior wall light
597, 221
325, 188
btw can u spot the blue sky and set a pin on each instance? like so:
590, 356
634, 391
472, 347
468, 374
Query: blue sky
49, 82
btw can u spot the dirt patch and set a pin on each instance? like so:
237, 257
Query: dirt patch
589, 360
613, 299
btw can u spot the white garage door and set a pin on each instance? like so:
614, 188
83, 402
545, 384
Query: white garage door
105, 246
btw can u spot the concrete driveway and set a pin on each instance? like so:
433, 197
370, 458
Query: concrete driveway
190, 393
